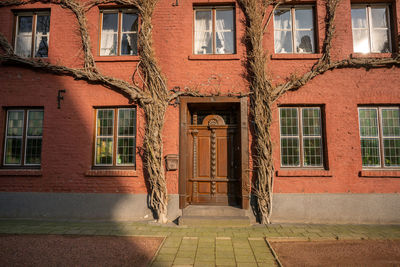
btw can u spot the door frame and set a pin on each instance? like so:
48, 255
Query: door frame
244, 144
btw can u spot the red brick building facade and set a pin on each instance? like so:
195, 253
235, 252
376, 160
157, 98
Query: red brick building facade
344, 166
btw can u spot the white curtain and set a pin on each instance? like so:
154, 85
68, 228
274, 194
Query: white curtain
220, 25
108, 43
201, 36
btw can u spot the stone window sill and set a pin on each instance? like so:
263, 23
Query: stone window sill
380, 173
295, 56
20, 172
371, 55
116, 58
303, 173
214, 57
111, 173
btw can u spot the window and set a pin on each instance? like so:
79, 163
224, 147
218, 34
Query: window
23, 137
380, 136
32, 34
301, 137
119, 30
115, 137
371, 28
214, 30
294, 30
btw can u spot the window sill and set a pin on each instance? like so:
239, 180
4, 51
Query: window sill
371, 55
20, 172
380, 173
111, 173
303, 173
214, 57
116, 58
295, 56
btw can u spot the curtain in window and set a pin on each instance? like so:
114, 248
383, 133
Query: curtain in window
220, 46
109, 34
202, 36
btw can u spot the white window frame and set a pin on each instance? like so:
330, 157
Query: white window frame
293, 30
300, 137
213, 31
380, 137
24, 137
34, 34
369, 25
120, 33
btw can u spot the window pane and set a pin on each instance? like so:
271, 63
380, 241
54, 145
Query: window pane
283, 42
304, 18
368, 122
304, 41
41, 46
25, 25
35, 123
203, 35
224, 43
370, 152
110, 22
104, 151
289, 123
358, 18
224, 20
43, 24
15, 123
126, 122
290, 152
282, 19
13, 151
361, 41
380, 41
109, 34
105, 122
311, 121
312, 151
126, 151
129, 22
129, 44
33, 150
390, 122
392, 151
24, 45
378, 17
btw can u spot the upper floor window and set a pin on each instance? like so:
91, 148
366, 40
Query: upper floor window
371, 28
380, 136
32, 34
115, 137
214, 30
23, 137
119, 32
294, 30
301, 137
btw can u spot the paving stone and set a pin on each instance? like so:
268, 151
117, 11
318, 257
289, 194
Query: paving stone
179, 261
225, 261
167, 250
161, 264
248, 258
204, 264
165, 257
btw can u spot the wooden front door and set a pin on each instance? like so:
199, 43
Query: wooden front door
214, 164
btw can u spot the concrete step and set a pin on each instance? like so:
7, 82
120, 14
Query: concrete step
202, 210
214, 216
213, 221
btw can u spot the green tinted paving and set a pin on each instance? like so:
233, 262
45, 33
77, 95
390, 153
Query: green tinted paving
208, 246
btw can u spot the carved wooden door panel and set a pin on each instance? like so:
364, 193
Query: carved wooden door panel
214, 176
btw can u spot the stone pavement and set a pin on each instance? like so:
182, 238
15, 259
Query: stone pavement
207, 246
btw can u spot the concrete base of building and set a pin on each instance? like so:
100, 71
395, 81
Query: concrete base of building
81, 206
336, 208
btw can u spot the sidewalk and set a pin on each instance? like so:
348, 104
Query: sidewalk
208, 246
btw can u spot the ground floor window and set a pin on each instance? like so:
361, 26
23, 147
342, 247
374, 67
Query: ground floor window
380, 136
23, 137
301, 137
115, 138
